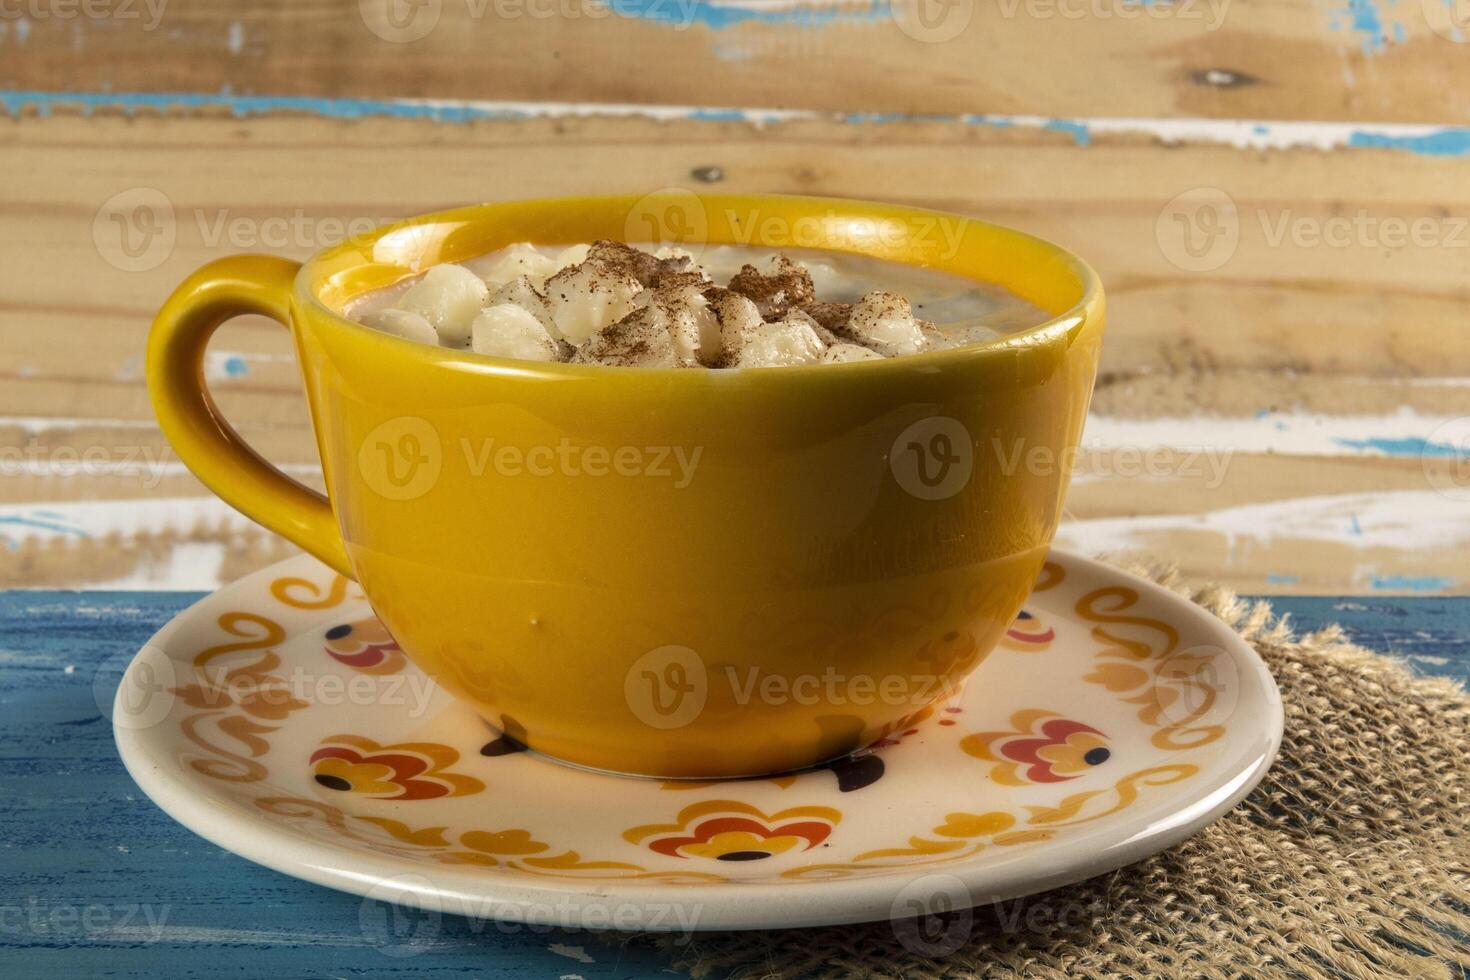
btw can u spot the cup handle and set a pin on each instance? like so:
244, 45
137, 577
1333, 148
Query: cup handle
192, 422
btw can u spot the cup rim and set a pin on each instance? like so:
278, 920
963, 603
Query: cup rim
1088, 306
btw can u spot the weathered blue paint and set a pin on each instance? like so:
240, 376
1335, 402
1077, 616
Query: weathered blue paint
874, 118
1414, 446
684, 13
718, 115
1079, 131
133, 103
1450, 141
41, 521
1277, 579
44, 520
1366, 22
1426, 141
96, 881
1411, 583
1431, 633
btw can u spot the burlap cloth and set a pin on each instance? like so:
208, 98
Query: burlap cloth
1349, 860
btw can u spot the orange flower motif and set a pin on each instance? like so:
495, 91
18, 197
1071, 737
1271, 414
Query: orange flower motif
727, 830
490, 849
252, 689
365, 645
409, 771
1029, 633
1052, 749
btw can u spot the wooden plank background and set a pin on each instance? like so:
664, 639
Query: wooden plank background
1311, 60
1276, 195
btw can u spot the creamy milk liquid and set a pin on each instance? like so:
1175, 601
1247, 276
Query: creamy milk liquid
953, 303
967, 310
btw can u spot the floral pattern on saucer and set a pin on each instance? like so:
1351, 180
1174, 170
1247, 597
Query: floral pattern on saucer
295, 725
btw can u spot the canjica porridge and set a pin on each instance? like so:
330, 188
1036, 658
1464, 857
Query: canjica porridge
629, 306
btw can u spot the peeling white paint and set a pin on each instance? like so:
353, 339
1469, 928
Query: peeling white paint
188, 565
1403, 433
36, 424
1398, 520
577, 953
79, 520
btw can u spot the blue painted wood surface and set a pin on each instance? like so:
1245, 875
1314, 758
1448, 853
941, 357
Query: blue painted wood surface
96, 881
1432, 633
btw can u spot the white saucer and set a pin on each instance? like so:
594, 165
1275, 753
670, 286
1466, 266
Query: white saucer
1115, 720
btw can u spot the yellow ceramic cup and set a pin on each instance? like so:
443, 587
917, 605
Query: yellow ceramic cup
680, 573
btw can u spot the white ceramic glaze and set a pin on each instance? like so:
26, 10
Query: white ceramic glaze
1115, 720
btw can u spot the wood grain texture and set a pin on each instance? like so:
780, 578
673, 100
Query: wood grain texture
1324, 370
1230, 59
80, 839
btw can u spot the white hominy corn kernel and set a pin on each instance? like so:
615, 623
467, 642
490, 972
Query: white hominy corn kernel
570, 256
695, 328
643, 339
655, 306
520, 259
401, 323
787, 342
507, 330
885, 322
739, 319
523, 294
585, 298
449, 297
842, 353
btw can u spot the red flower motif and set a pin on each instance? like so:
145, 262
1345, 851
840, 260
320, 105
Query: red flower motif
365, 645
410, 771
728, 830
1028, 634
1044, 748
